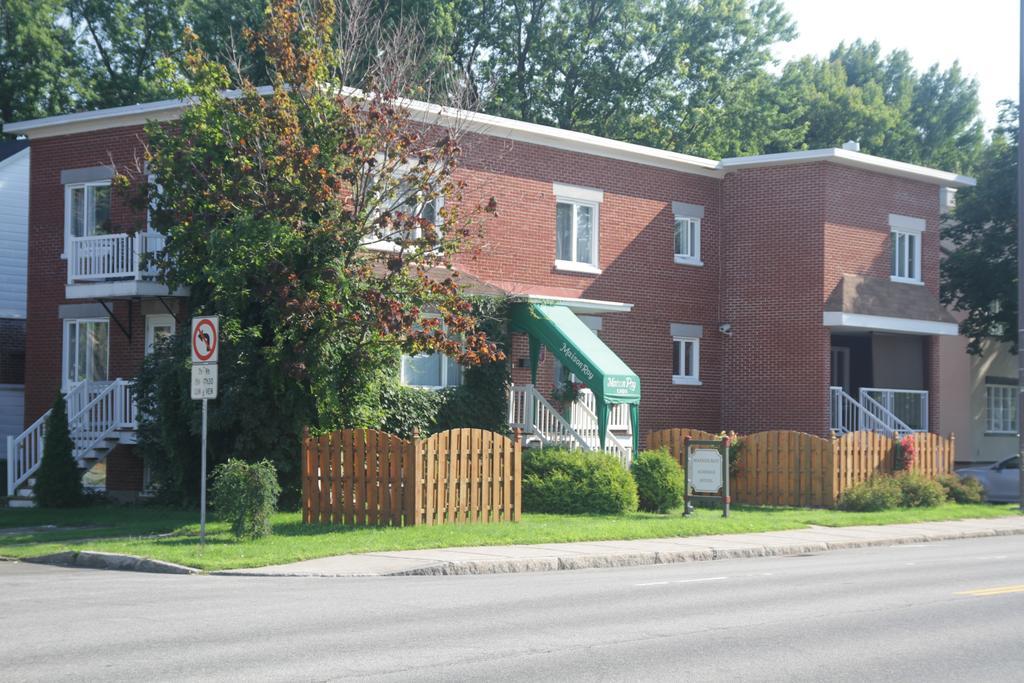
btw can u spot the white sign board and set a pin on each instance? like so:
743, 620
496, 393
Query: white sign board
205, 351
705, 475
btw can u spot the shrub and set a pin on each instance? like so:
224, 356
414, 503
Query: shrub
576, 482
58, 480
408, 408
877, 493
659, 481
965, 490
919, 491
246, 495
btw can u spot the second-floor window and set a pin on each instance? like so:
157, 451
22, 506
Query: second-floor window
687, 240
577, 219
87, 210
906, 235
686, 360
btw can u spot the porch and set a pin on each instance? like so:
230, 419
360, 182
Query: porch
115, 266
878, 383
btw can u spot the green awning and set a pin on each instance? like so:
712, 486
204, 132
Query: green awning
584, 354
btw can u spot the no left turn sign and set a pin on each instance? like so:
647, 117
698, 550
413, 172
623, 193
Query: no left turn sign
205, 339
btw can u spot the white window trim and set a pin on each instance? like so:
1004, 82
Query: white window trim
153, 321
1013, 395
591, 267
67, 322
376, 244
67, 207
915, 227
444, 372
681, 258
687, 380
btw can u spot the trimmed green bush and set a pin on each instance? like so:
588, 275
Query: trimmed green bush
58, 479
919, 491
963, 491
245, 494
877, 493
659, 481
576, 482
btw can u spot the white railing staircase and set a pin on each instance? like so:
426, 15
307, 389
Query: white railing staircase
100, 416
543, 425
847, 414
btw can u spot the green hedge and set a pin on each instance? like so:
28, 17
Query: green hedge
659, 481
576, 482
907, 489
965, 490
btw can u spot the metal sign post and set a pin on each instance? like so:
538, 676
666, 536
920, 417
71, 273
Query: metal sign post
205, 352
706, 474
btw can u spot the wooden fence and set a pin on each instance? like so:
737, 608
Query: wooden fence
797, 469
367, 477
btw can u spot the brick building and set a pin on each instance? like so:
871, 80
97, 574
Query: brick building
786, 291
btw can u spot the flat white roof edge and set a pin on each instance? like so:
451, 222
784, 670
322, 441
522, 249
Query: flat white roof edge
593, 305
851, 158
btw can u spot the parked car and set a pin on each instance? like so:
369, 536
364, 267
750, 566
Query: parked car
1001, 481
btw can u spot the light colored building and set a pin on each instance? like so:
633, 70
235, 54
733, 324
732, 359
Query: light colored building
14, 180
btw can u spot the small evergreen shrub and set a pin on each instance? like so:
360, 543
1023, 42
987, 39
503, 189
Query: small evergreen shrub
576, 482
245, 494
966, 490
659, 481
919, 491
877, 493
58, 479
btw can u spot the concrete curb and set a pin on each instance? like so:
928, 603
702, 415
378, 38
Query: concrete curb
88, 559
721, 548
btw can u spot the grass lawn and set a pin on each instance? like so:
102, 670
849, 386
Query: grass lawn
135, 531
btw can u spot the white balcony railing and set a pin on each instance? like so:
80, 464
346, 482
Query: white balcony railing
99, 258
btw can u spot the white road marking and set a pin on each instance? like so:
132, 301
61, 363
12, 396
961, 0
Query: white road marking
665, 583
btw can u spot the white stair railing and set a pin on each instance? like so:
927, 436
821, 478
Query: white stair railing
618, 416
894, 425
584, 421
531, 412
95, 417
94, 258
908, 406
846, 414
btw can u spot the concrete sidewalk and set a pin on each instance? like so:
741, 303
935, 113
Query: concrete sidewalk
591, 554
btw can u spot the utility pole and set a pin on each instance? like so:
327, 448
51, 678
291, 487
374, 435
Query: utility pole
1020, 255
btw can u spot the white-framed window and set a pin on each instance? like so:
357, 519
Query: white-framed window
685, 360
577, 228
86, 209
906, 233
1001, 409
158, 327
430, 371
687, 240
86, 350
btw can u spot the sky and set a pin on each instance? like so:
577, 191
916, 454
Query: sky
981, 34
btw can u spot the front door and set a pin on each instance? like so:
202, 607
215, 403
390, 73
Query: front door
841, 368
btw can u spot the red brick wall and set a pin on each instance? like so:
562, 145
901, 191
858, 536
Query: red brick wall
776, 363
47, 273
12, 351
636, 258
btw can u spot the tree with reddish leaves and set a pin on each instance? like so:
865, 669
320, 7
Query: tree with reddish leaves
319, 220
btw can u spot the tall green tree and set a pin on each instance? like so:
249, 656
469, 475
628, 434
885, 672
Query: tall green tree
979, 272
320, 226
928, 118
40, 69
676, 74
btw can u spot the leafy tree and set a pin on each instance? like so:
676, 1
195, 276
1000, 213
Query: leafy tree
58, 480
882, 102
674, 74
40, 72
301, 216
979, 272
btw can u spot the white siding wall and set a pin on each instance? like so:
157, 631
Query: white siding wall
13, 234
12, 411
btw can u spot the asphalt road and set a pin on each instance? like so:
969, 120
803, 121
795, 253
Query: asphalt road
896, 613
